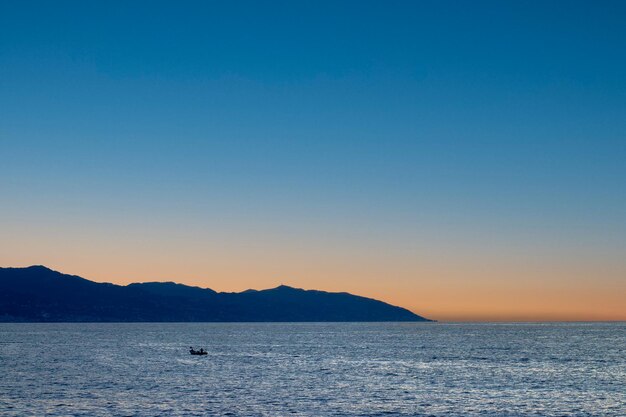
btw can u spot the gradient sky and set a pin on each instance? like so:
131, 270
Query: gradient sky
466, 160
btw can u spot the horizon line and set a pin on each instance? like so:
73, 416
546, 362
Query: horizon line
451, 320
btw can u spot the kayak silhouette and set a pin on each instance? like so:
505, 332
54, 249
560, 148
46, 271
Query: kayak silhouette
197, 352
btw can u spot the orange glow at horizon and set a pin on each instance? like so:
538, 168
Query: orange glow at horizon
467, 289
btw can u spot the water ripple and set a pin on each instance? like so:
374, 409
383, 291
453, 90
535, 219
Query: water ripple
313, 369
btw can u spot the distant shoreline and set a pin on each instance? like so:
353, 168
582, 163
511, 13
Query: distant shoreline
39, 294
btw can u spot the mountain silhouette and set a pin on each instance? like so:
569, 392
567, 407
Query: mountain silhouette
39, 294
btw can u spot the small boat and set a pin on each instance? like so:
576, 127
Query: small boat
197, 352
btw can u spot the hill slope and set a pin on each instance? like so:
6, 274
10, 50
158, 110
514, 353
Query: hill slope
39, 294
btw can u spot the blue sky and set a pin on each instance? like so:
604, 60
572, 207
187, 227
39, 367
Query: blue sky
494, 128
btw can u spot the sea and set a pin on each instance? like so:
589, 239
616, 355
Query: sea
313, 369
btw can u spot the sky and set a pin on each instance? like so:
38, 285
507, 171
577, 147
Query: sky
463, 159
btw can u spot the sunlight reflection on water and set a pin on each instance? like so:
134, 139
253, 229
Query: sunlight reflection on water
431, 369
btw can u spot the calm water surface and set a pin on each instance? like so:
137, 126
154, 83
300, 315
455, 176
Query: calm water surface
313, 369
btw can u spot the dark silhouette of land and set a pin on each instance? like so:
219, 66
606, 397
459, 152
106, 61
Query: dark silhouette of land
39, 294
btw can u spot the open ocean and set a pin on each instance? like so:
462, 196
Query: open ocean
313, 369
